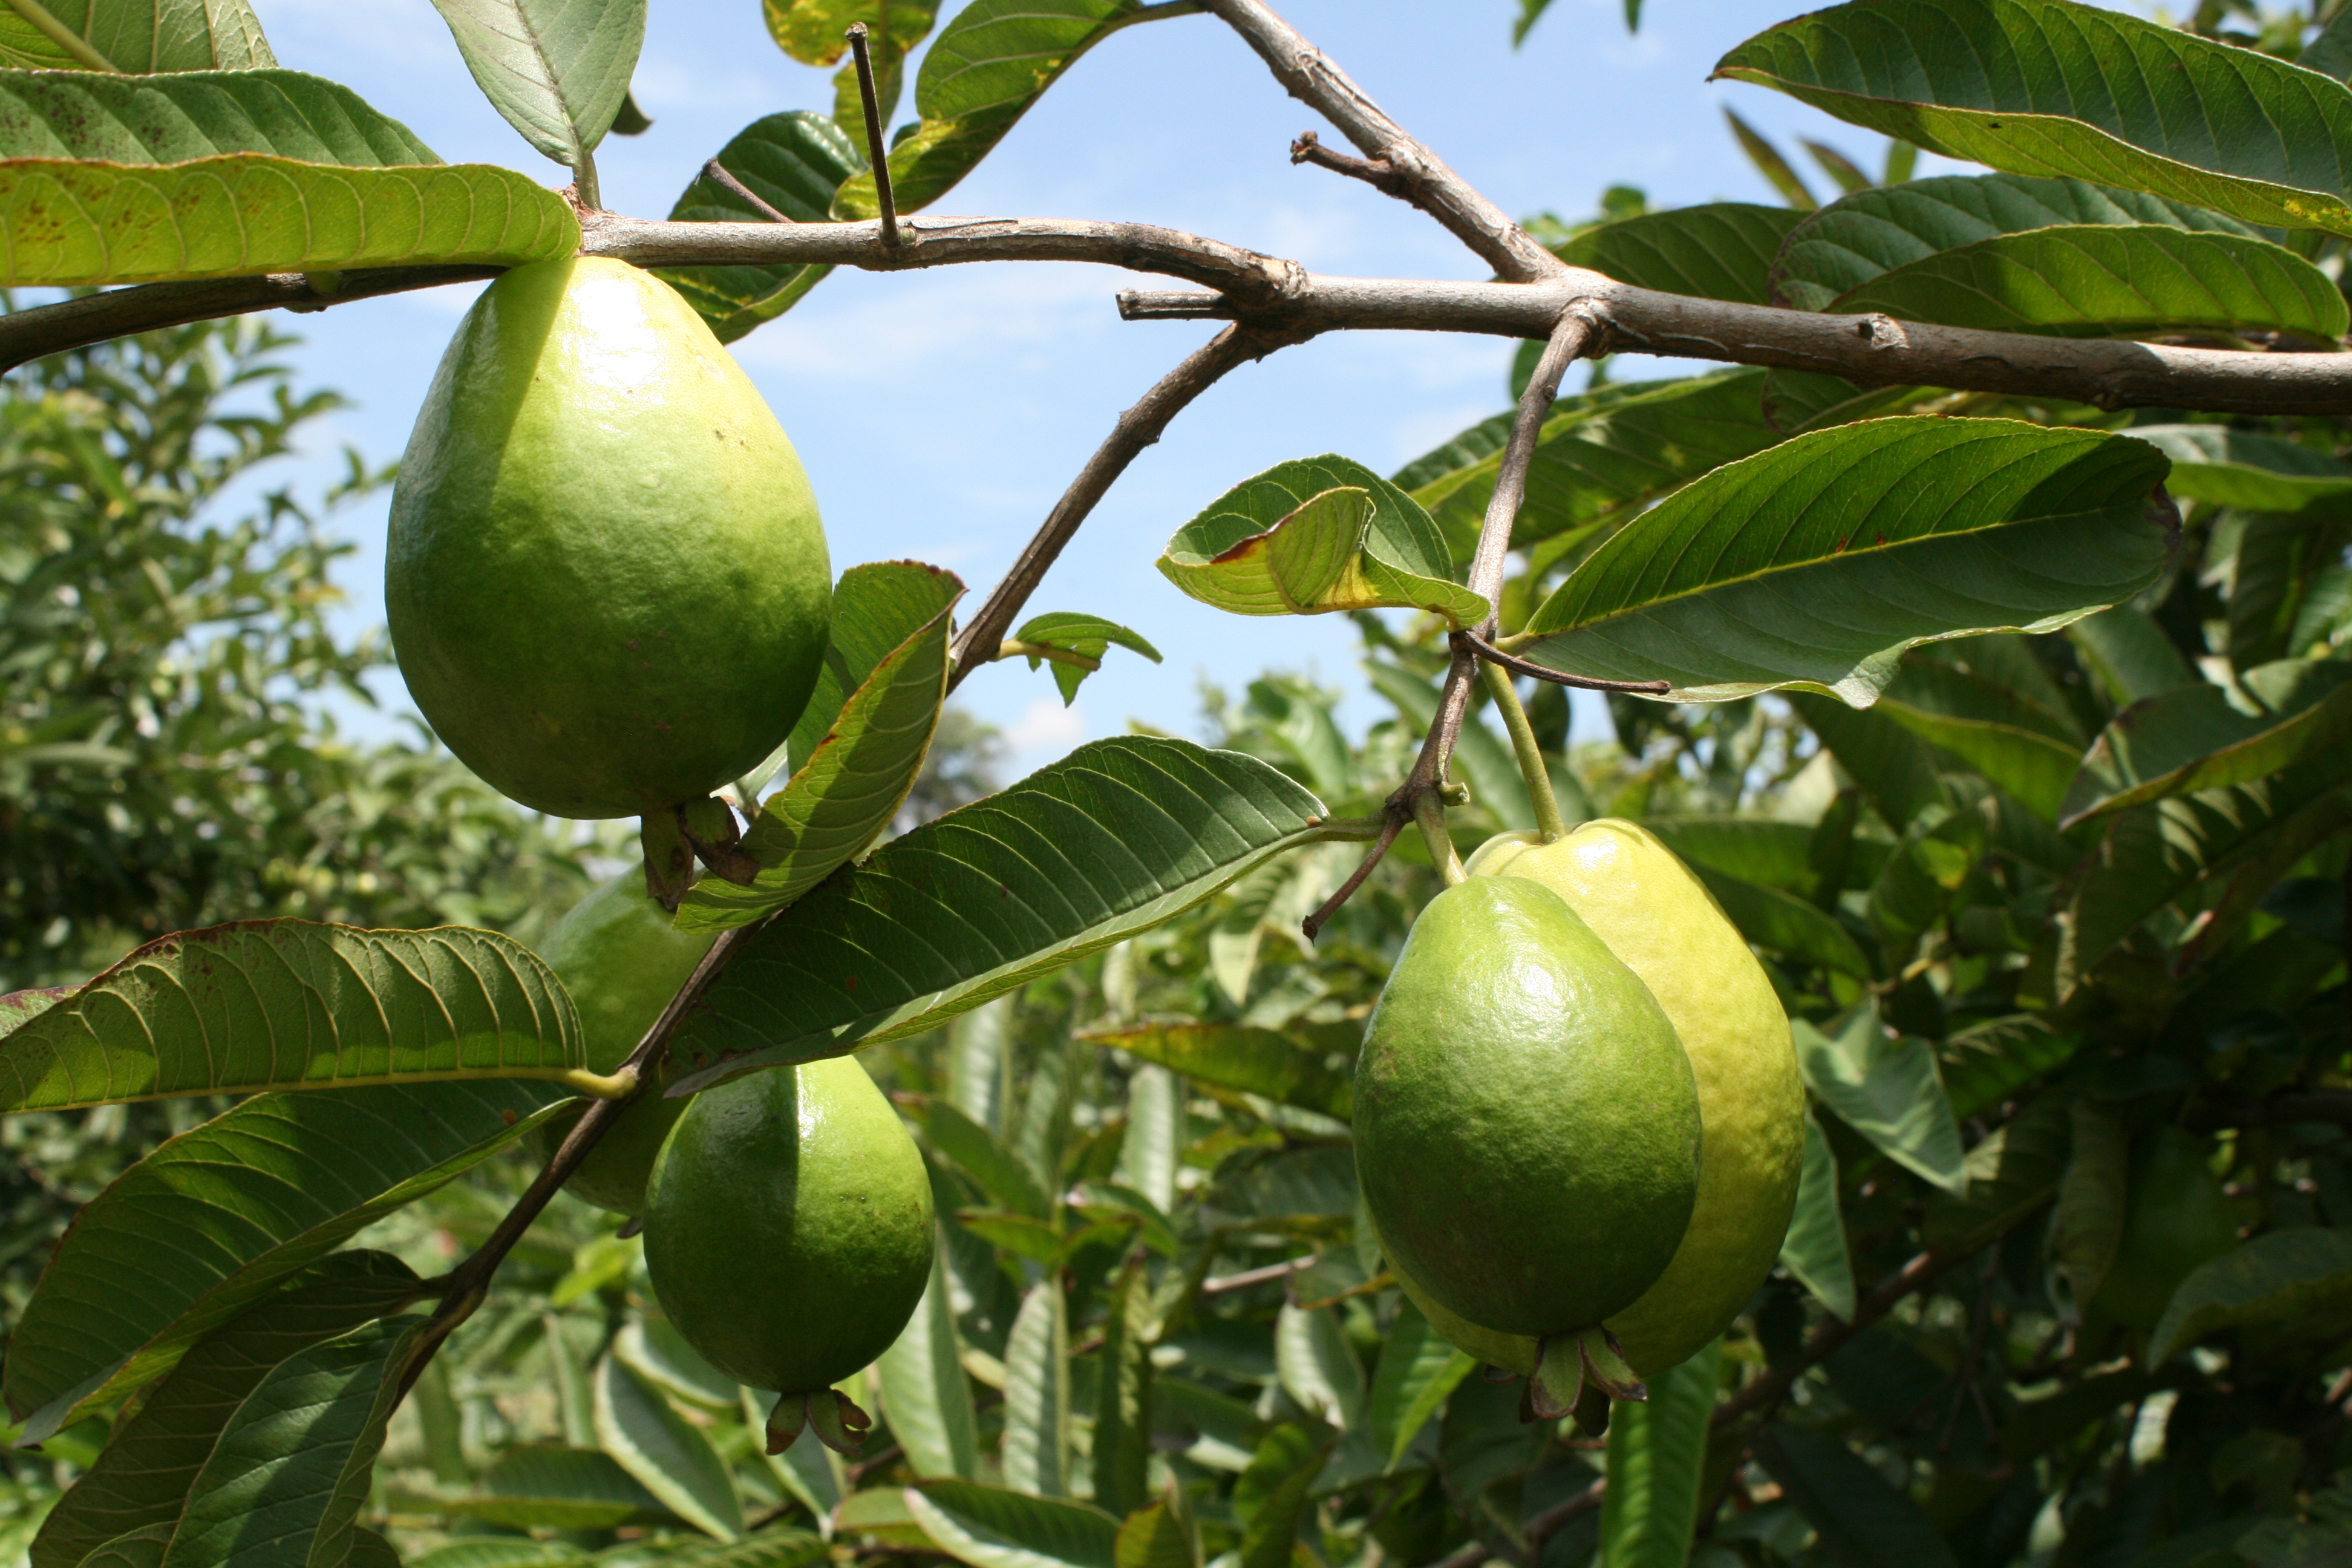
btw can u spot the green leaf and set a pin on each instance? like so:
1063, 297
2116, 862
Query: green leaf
859, 766
291, 1005
1770, 164
2272, 1280
1991, 1061
2009, 1175
1722, 250
668, 1454
1863, 1522
1156, 1537
500, 1551
1817, 563
141, 1478
795, 162
1600, 456
138, 1549
780, 1546
1920, 880
1884, 1086
1657, 1460
1769, 854
1861, 237
533, 1486
1317, 1366
1814, 1249
987, 1159
241, 1204
2246, 468
1894, 768
2130, 654
1418, 1368
2034, 767
1122, 1429
990, 1527
556, 69
284, 1485
2098, 281
1036, 1448
978, 77
244, 215
1786, 924
1271, 1497
2044, 86
2192, 739
813, 32
1239, 1056
1797, 402
200, 114
925, 1393
2088, 1222
1088, 636
1117, 837
1316, 535
1151, 1149
657, 1352
138, 37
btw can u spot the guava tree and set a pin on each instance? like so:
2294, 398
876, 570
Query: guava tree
2020, 492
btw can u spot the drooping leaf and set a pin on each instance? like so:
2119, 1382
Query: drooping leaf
1271, 1497
987, 1159
1722, 250
668, 1455
1657, 1460
142, 1477
261, 1005
2246, 468
200, 114
795, 162
850, 782
1815, 1250
2046, 87
1238, 1057
1088, 637
557, 70
2110, 280
1122, 1429
1418, 1368
1316, 535
1885, 1087
1863, 1522
1768, 163
978, 77
1818, 562
1317, 1366
283, 1486
925, 1393
533, 1486
1114, 838
990, 1527
2192, 739
1989, 1062
241, 1204
1036, 1448
1861, 237
1151, 1150
246, 213
138, 37
2271, 1280
2088, 1222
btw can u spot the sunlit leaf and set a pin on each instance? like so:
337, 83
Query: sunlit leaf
1072, 632
1815, 1250
668, 1455
1238, 1057
2192, 739
200, 114
990, 1527
1417, 1370
2246, 468
1657, 1461
138, 37
1036, 1448
1722, 250
925, 1394
1884, 1086
532, 1487
557, 70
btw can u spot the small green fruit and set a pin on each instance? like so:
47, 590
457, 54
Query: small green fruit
1642, 901
1527, 1125
788, 1230
618, 956
2176, 1217
605, 578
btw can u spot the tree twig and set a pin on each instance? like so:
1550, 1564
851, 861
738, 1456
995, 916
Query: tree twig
877, 155
1517, 666
1566, 340
1140, 426
716, 171
1313, 924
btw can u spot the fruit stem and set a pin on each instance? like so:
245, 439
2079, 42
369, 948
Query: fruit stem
583, 182
1549, 821
601, 1086
1430, 813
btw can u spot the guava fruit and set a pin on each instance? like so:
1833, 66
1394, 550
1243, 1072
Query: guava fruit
1527, 1125
788, 1234
605, 578
2176, 1217
1645, 904
618, 956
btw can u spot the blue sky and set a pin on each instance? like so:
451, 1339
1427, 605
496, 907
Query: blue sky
940, 413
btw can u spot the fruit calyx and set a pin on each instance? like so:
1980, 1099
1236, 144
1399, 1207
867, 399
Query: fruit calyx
831, 1414
1577, 1373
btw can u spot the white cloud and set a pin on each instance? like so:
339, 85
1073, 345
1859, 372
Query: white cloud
1045, 731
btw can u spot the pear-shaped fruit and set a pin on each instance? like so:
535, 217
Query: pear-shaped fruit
605, 578
618, 956
1652, 913
2176, 1217
1527, 1126
788, 1233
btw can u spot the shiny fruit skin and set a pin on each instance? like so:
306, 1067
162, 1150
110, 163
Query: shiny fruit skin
1640, 899
1527, 1126
788, 1225
620, 960
607, 582
2176, 1217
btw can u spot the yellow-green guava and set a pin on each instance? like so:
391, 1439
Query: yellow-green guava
788, 1235
619, 957
2176, 1217
1527, 1125
607, 582
1653, 914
